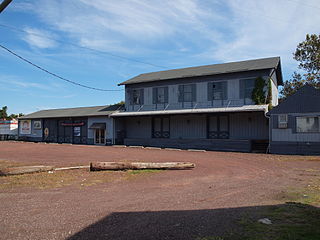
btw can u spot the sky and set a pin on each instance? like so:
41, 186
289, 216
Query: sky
102, 43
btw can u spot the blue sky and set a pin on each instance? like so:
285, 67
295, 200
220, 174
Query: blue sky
172, 34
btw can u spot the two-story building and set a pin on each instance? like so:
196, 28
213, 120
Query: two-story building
207, 107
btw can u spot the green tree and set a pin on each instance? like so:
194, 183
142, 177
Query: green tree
3, 113
307, 54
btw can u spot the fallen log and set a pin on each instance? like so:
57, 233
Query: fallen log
96, 166
24, 169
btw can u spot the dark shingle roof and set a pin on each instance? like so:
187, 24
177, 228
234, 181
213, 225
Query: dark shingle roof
75, 112
242, 66
305, 100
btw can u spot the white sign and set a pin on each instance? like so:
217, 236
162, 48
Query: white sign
25, 127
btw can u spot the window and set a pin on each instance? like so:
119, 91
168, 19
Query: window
217, 91
246, 87
136, 97
307, 124
160, 95
187, 93
283, 121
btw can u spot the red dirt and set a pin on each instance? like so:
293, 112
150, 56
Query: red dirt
166, 203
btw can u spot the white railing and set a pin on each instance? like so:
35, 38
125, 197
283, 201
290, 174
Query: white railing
190, 105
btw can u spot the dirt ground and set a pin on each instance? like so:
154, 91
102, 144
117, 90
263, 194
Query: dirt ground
177, 204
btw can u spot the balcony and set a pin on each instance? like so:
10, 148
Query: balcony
190, 105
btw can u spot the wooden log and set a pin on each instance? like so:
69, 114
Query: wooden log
24, 169
96, 166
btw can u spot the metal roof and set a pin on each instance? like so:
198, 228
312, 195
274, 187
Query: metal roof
232, 67
75, 112
305, 100
246, 108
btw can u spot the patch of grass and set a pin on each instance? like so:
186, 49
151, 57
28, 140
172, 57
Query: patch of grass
210, 238
292, 221
41, 180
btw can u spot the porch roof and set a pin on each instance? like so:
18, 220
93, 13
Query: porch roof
246, 108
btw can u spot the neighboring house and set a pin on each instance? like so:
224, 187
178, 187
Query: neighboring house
295, 123
8, 129
207, 107
84, 125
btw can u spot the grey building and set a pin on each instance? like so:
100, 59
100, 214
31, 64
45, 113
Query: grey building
295, 123
207, 107
84, 125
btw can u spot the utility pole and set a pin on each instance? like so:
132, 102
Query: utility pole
4, 4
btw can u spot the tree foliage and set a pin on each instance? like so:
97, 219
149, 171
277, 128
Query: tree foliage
258, 93
4, 114
307, 54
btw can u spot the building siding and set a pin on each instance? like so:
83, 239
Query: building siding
188, 127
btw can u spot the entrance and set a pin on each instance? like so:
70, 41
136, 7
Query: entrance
99, 137
218, 127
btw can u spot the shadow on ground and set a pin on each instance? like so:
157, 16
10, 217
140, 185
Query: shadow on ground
289, 221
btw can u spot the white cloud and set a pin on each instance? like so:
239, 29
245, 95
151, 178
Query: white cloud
39, 38
191, 32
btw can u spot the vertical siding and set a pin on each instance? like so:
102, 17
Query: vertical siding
139, 127
274, 89
242, 128
188, 127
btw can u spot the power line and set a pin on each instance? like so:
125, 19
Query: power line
56, 75
83, 47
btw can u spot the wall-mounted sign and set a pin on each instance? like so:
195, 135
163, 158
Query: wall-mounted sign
25, 127
46, 132
37, 125
77, 131
72, 124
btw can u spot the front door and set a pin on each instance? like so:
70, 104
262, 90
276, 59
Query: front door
99, 137
218, 127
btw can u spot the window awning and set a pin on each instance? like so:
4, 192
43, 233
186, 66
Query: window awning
98, 126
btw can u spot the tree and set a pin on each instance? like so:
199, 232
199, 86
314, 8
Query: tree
4, 114
307, 54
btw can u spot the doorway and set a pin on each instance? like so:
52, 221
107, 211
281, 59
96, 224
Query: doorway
99, 137
218, 127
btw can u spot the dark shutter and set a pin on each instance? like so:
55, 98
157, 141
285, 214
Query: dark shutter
225, 90
180, 93
166, 97
154, 95
130, 93
210, 91
292, 123
141, 96
194, 92
242, 87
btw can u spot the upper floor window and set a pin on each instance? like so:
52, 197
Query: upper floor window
160, 95
246, 87
136, 97
187, 93
217, 91
308, 124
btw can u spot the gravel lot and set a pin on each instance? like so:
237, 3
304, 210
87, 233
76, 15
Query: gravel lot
162, 205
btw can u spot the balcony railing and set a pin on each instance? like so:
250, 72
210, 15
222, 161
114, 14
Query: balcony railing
190, 105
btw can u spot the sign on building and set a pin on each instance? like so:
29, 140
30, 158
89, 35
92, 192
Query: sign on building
25, 127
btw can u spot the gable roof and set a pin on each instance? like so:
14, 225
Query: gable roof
75, 112
305, 100
232, 67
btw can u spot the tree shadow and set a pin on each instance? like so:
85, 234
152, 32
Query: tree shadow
206, 224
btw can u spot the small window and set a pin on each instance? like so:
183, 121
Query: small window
307, 124
187, 93
246, 87
217, 91
160, 95
136, 97
283, 121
